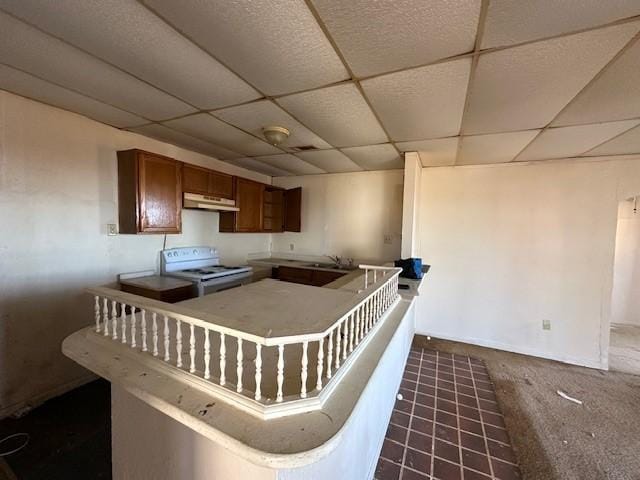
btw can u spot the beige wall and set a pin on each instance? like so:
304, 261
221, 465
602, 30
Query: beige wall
347, 214
626, 278
513, 245
57, 193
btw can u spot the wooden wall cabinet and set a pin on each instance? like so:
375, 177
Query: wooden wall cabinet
206, 182
250, 201
149, 193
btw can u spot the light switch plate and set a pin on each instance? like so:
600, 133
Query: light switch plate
546, 324
112, 229
388, 239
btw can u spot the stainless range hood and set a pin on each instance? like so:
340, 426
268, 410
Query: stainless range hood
206, 202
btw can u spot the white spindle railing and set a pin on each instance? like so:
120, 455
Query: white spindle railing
327, 354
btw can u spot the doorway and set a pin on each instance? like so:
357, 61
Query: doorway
624, 346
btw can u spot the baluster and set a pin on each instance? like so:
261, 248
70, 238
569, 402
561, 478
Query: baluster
345, 340
361, 321
97, 311
192, 347
154, 328
207, 355
123, 318
352, 331
114, 320
356, 313
258, 394
375, 276
370, 311
133, 327
167, 355
178, 343
143, 326
366, 278
329, 353
105, 316
320, 364
338, 346
280, 377
239, 366
223, 359
303, 371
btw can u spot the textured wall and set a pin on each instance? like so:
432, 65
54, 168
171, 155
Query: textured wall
626, 278
513, 245
347, 214
57, 193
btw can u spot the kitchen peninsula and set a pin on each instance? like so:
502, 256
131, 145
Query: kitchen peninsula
272, 379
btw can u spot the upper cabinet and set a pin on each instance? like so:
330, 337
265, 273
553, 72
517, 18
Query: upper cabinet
250, 201
292, 210
206, 182
149, 193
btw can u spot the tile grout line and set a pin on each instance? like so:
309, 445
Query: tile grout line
484, 432
435, 403
455, 387
411, 416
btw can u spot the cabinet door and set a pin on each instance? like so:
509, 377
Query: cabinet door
195, 179
292, 210
295, 275
249, 199
160, 192
220, 185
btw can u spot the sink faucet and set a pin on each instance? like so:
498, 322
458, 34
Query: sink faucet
339, 261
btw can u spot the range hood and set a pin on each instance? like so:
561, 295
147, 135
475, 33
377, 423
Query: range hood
206, 202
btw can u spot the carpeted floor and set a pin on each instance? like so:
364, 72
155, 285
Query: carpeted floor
624, 349
553, 437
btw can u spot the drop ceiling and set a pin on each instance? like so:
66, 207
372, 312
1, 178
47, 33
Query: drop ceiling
358, 83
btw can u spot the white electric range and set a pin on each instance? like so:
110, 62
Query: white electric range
202, 266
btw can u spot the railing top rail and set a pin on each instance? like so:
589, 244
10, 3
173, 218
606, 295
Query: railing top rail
215, 322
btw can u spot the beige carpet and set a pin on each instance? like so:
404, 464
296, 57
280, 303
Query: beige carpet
624, 349
553, 437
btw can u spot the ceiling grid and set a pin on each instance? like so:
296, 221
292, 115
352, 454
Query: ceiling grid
360, 82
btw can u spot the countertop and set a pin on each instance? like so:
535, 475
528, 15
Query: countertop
305, 264
156, 282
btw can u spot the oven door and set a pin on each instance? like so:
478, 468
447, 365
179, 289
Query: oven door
225, 283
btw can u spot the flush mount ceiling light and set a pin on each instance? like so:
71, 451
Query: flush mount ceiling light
275, 135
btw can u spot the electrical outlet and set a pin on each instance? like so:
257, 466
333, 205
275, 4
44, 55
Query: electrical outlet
112, 229
388, 239
546, 324
291, 246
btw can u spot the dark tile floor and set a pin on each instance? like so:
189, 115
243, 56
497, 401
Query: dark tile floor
447, 426
70, 437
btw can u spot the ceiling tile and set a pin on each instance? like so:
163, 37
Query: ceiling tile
207, 128
615, 95
566, 142
421, 103
525, 87
260, 167
514, 21
332, 161
375, 157
276, 45
433, 153
494, 148
627, 143
128, 35
377, 37
166, 134
290, 163
253, 116
29, 86
30, 50
339, 114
